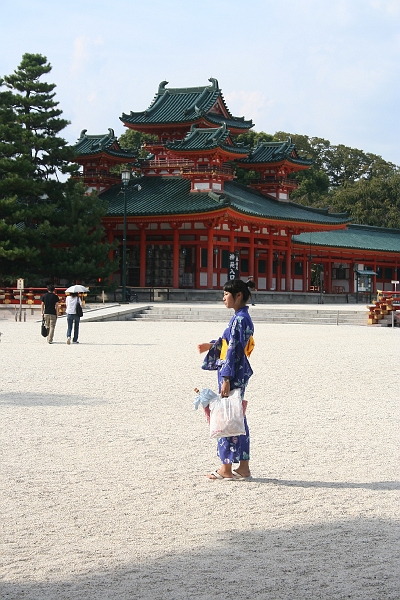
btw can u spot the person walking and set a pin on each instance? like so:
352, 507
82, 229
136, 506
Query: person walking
50, 305
229, 356
252, 287
73, 318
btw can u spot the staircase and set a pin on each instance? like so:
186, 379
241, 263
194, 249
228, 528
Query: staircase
259, 315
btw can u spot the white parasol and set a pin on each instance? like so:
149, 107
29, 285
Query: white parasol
76, 289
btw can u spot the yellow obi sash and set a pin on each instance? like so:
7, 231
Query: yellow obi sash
248, 349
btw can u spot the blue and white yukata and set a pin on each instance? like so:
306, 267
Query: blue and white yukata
229, 356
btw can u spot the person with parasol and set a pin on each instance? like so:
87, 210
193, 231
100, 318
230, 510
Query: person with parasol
74, 311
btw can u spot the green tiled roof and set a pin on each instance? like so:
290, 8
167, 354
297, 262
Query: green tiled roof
357, 237
251, 202
185, 105
171, 196
206, 139
232, 123
270, 152
96, 144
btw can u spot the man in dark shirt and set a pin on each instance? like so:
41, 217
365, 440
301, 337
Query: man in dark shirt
50, 304
252, 287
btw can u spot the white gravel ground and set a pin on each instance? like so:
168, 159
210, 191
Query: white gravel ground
103, 493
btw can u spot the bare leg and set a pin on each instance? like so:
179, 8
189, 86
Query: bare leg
243, 468
225, 470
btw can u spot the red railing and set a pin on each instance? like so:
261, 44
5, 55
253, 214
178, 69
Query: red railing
160, 163
186, 166
201, 169
274, 180
31, 296
98, 174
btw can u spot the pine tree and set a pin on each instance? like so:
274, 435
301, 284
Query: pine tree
34, 204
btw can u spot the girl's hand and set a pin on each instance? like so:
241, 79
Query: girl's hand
225, 388
203, 348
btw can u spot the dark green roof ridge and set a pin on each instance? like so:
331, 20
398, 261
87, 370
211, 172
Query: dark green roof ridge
95, 144
267, 152
167, 196
206, 139
354, 237
184, 105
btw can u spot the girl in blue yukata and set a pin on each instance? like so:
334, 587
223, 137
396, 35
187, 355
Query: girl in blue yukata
229, 356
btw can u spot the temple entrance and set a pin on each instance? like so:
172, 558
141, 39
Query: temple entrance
188, 258
133, 267
159, 265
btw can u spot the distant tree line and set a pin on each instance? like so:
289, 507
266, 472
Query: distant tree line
341, 178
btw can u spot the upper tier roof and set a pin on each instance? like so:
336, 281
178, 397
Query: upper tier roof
270, 152
207, 139
186, 105
105, 143
356, 237
160, 196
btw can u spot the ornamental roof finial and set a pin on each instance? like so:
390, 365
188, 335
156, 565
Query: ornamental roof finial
161, 87
214, 82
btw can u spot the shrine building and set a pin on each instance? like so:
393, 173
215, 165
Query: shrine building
191, 225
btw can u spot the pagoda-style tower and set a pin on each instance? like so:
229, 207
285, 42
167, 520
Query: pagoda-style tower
97, 154
204, 156
274, 162
174, 110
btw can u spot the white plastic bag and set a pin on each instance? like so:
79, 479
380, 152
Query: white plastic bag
226, 418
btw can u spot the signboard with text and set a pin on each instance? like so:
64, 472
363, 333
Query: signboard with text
233, 270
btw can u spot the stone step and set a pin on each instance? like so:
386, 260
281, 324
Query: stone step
263, 316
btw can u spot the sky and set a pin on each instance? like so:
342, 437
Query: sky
324, 68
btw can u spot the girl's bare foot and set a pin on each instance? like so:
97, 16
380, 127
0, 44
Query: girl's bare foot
241, 474
217, 475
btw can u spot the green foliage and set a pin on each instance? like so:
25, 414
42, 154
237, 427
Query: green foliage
134, 140
36, 210
374, 201
252, 138
347, 180
82, 253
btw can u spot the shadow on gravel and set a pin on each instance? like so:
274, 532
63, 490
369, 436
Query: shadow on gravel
113, 344
32, 399
355, 558
374, 485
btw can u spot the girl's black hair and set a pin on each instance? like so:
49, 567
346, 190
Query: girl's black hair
73, 294
234, 286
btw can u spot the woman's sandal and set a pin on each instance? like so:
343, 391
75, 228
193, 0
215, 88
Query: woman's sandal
216, 476
238, 476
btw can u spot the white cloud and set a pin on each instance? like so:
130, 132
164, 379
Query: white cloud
84, 48
247, 104
392, 7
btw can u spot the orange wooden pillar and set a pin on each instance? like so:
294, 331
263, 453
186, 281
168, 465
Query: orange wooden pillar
328, 278
251, 253
270, 262
288, 276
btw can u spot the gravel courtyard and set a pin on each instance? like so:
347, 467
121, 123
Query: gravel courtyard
103, 463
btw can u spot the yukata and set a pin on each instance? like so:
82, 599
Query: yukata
229, 356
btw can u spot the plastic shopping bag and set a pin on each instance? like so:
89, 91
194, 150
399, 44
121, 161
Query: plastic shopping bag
204, 397
226, 419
